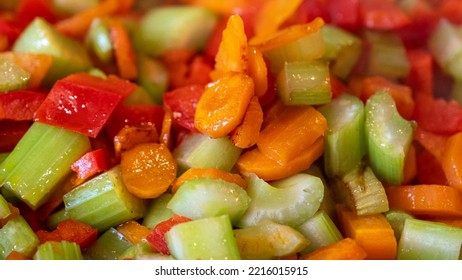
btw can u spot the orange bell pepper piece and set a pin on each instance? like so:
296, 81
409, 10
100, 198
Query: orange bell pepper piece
133, 231
452, 160
124, 54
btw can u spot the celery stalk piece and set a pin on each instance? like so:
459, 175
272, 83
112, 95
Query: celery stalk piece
307, 48
387, 55
12, 77
17, 235
174, 27
388, 137
153, 77
137, 251
69, 56
290, 201
200, 151
54, 219
40, 161
104, 201
396, 218
320, 230
109, 246
426, 240
3, 156
203, 239
363, 193
304, 83
445, 44
345, 142
269, 240
4, 209
208, 197
98, 39
58, 250
343, 49
157, 211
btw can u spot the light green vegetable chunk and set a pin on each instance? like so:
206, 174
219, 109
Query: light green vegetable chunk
12, 77
62, 250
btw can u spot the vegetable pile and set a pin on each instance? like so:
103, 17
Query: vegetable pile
233, 129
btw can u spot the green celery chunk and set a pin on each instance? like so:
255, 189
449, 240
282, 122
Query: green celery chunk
153, 77
343, 49
69, 56
426, 240
40, 161
157, 211
58, 250
396, 218
4, 209
388, 138
387, 55
290, 201
304, 83
3, 156
200, 151
104, 201
174, 27
203, 239
269, 240
98, 39
12, 77
137, 251
17, 235
362, 192
345, 142
320, 230
109, 246
208, 197
306, 48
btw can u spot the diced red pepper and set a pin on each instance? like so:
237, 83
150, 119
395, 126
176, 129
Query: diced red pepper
11, 132
10, 30
182, 102
157, 236
338, 87
344, 13
30, 216
90, 164
438, 115
135, 115
420, 77
27, 10
20, 105
83, 103
311, 9
429, 170
72, 231
451, 10
382, 15
214, 40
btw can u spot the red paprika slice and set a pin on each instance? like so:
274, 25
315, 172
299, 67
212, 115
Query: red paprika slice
20, 105
72, 231
10, 133
157, 237
91, 163
382, 15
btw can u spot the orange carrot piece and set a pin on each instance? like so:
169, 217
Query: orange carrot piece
124, 54
4, 43
372, 232
401, 94
254, 161
166, 131
222, 7
214, 173
432, 142
148, 169
410, 166
272, 112
130, 136
247, 133
36, 64
232, 53
296, 128
426, 200
133, 231
223, 105
258, 71
272, 14
345, 249
17, 256
77, 25
452, 161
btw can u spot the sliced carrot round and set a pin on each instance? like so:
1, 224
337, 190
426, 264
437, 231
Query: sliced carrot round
148, 169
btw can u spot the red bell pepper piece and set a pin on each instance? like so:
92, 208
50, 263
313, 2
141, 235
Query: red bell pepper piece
382, 15
90, 164
83, 103
157, 236
429, 169
27, 10
420, 77
344, 13
182, 102
10, 30
72, 231
11, 132
438, 115
20, 105
311, 9
135, 115
451, 10
213, 43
